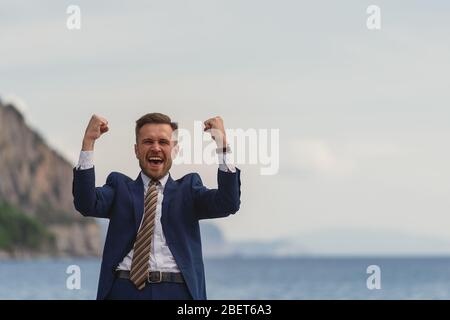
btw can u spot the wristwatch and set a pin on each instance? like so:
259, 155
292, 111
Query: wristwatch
226, 149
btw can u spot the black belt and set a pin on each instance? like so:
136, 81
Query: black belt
155, 276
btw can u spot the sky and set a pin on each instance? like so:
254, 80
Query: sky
363, 115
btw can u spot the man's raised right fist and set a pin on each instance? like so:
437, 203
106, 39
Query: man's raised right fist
96, 127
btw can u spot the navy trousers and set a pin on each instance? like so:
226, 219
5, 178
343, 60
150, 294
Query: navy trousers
124, 289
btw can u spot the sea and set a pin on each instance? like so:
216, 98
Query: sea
304, 278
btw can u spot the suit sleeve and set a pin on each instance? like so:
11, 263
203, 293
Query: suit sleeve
217, 203
89, 200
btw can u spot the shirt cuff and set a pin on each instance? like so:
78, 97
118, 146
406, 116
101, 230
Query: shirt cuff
224, 164
86, 160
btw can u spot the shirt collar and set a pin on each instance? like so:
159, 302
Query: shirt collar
146, 179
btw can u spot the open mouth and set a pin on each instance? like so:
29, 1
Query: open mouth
155, 160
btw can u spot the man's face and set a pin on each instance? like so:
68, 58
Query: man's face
154, 149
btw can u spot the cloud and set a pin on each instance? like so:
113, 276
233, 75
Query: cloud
338, 158
319, 157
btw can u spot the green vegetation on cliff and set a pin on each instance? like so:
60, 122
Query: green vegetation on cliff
18, 230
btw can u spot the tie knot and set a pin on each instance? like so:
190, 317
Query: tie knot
153, 183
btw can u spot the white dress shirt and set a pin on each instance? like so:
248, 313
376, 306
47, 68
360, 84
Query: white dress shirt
161, 258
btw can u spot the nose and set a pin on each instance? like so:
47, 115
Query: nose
155, 147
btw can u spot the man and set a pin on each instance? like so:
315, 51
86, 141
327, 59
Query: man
153, 246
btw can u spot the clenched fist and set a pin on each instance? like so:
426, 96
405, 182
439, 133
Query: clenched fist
216, 128
96, 127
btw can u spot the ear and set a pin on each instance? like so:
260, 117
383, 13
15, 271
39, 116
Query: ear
136, 151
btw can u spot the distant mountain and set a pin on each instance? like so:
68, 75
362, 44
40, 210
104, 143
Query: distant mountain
36, 182
372, 241
215, 245
331, 242
213, 241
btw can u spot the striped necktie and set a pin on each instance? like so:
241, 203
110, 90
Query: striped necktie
141, 249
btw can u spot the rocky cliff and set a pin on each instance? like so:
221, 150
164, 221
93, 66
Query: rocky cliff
37, 181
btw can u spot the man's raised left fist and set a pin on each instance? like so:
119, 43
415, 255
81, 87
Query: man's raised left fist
216, 128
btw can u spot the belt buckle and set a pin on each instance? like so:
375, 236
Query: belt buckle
151, 281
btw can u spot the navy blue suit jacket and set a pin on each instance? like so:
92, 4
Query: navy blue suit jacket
185, 202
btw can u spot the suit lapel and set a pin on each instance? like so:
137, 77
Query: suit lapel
137, 193
169, 191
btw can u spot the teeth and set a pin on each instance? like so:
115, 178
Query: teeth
155, 158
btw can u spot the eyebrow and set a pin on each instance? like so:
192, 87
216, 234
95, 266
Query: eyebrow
160, 139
